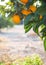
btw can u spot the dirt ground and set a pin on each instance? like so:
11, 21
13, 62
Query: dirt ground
15, 43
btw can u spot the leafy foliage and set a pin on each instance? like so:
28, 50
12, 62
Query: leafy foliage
45, 43
5, 23
33, 60
2, 63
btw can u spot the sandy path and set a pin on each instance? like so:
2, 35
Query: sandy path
16, 43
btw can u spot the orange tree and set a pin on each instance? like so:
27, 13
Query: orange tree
32, 13
4, 21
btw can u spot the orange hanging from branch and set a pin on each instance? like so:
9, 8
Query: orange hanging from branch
26, 12
24, 1
41, 17
16, 19
32, 8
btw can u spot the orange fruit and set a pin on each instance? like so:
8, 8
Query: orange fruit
32, 8
24, 1
16, 19
26, 12
41, 17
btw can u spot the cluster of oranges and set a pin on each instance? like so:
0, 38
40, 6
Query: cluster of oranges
30, 10
16, 18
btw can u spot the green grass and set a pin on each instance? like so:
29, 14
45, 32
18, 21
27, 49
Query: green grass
28, 60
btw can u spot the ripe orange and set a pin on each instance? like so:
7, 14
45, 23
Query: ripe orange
26, 12
24, 1
16, 19
32, 8
41, 17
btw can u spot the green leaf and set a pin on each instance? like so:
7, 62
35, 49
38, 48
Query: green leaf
43, 30
43, 34
35, 28
38, 24
29, 23
28, 18
45, 43
28, 27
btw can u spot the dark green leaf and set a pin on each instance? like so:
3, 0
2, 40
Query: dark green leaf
42, 9
45, 43
43, 30
27, 19
35, 28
